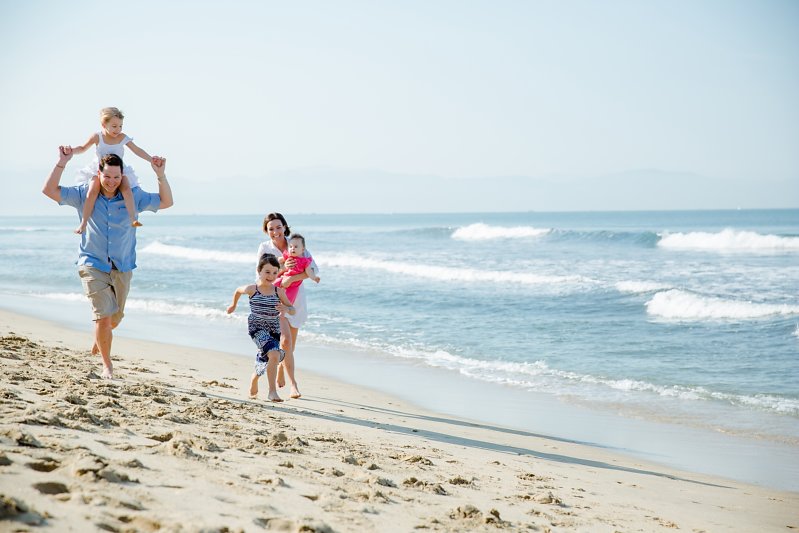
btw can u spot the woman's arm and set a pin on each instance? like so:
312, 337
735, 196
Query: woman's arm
94, 139
244, 289
139, 152
286, 303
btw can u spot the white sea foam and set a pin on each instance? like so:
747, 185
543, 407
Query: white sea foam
638, 287
677, 304
729, 240
182, 252
483, 232
153, 306
541, 377
441, 273
28, 228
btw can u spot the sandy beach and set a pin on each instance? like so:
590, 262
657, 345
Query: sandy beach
174, 444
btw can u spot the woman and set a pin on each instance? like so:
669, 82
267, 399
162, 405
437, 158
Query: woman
277, 228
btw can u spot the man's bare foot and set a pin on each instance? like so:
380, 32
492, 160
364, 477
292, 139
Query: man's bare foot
254, 391
95, 349
273, 397
295, 393
136, 224
281, 378
108, 372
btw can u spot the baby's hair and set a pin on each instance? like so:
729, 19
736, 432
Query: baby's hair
110, 160
277, 216
299, 237
268, 259
107, 113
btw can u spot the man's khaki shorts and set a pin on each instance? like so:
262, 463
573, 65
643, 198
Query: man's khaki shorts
106, 291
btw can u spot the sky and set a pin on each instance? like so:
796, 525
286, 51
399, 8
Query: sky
412, 106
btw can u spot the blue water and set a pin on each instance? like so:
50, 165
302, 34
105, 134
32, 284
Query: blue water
686, 317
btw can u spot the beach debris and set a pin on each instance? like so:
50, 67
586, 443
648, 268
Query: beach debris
164, 437
112, 476
385, 482
467, 511
547, 498
435, 488
529, 476
4, 460
418, 459
133, 463
216, 383
458, 480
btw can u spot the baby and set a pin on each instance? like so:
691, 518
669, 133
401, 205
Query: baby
302, 263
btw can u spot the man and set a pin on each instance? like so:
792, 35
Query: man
107, 254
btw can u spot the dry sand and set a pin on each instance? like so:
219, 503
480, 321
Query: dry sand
174, 444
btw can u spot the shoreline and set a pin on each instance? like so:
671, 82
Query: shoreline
684, 446
179, 443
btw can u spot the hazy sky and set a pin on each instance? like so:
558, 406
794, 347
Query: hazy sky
341, 106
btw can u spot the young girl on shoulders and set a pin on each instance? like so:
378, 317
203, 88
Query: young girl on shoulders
109, 140
267, 303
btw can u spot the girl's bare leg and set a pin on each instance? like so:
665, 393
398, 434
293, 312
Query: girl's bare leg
254, 386
127, 195
88, 205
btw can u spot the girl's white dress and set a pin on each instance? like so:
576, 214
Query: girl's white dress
88, 172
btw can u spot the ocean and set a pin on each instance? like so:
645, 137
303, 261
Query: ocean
687, 318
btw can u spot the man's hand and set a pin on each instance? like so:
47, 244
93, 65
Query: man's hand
64, 155
159, 166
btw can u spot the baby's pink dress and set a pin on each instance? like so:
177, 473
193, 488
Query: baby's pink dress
300, 264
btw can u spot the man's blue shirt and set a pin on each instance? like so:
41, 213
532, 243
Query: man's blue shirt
109, 238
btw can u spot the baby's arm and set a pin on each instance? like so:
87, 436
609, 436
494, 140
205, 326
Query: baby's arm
139, 152
244, 289
285, 303
94, 139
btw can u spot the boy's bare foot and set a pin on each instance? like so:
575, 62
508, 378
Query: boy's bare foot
273, 397
254, 391
295, 393
95, 349
136, 224
281, 378
108, 372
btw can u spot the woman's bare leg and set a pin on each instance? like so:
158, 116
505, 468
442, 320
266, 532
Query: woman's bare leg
271, 373
295, 391
286, 344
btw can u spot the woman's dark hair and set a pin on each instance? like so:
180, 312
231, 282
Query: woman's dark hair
270, 259
277, 216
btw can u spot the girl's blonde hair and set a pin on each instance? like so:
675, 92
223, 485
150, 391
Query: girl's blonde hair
107, 113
